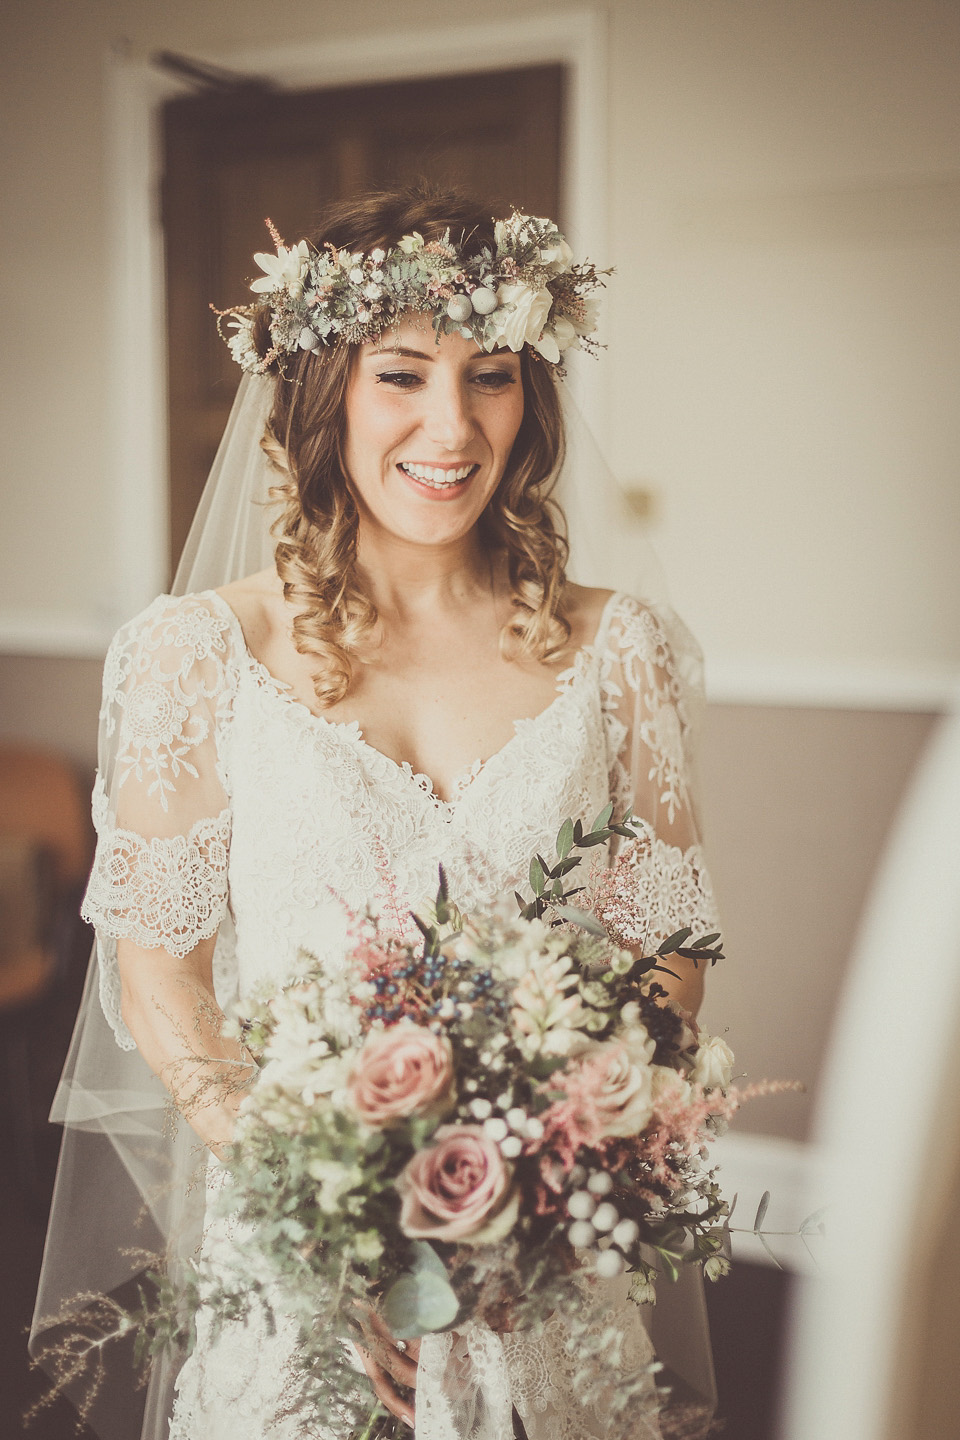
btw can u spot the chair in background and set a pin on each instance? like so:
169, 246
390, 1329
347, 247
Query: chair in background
45, 850
876, 1338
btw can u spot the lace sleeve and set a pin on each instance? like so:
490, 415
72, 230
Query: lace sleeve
160, 804
661, 881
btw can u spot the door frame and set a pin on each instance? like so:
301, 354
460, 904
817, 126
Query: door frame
135, 93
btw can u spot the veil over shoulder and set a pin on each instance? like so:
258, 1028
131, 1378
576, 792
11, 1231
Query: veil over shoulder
130, 1181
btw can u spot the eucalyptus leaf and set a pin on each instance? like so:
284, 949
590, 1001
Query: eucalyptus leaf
674, 941
603, 819
813, 1223
582, 918
761, 1211
426, 1258
419, 1303
763, 1241
536, 876
706, 940
565, 839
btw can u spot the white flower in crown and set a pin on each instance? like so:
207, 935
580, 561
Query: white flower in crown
520, 317
567, 329
241, 344
283, 271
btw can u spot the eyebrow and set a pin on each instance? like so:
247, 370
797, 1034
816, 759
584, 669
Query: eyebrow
404, 352
394, 350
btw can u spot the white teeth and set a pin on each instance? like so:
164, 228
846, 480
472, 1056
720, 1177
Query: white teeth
435, 476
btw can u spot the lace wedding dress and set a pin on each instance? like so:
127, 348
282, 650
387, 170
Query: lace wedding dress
232, 810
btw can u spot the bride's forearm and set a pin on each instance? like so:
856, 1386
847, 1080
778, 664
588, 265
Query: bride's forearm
686, 987
171, 1011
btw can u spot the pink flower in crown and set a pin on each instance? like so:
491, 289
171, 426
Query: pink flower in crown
400, 1072
459, 1188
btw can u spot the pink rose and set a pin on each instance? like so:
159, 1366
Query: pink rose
399, 1072
621, 1093
459, 1188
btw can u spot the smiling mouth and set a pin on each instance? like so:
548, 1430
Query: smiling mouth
436, 476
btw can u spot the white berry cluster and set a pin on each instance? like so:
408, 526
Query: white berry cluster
593, 1217
507, 1125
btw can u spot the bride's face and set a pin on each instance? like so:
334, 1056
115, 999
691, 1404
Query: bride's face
429, 430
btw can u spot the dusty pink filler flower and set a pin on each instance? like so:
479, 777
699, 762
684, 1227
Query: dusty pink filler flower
459, 1188
403, 1071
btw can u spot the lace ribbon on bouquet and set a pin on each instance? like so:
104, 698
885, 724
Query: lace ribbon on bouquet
470, 1380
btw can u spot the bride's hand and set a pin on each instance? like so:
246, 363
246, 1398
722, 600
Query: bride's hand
389, 1363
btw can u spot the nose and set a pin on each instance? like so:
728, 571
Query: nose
448, 420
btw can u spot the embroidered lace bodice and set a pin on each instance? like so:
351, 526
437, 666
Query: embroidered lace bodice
225, 807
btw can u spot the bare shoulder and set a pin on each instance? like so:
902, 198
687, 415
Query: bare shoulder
257, 601
583, 606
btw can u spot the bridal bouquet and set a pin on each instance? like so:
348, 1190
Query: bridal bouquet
468, 1121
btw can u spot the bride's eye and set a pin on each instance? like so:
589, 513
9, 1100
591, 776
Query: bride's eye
399, 379
494, 379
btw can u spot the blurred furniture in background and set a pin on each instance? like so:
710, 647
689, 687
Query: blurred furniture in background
45, 849
876, 1336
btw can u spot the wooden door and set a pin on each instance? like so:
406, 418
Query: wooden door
233, 159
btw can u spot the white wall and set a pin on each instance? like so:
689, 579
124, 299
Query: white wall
783, 357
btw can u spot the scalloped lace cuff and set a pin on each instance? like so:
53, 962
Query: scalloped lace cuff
160, 893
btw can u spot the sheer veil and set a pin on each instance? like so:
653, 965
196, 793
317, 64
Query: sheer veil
127, 1185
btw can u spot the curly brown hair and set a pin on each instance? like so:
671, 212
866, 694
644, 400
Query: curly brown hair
316, 530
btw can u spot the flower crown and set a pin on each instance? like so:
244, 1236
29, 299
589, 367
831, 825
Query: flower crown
524, 290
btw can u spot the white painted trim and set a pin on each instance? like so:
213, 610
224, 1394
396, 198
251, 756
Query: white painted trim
71, 637
137, 418
831, 684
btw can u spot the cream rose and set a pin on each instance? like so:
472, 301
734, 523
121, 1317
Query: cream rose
713, 1063
459, 1188
399, 1072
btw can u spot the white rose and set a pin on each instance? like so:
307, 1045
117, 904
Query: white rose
713, 1063
566, 334
557, 257
547, 346
521, 315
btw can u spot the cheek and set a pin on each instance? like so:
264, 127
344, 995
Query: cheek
374, 424
505, 424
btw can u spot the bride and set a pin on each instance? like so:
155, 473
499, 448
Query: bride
413, 679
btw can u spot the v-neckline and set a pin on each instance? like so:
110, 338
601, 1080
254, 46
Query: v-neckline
464, 780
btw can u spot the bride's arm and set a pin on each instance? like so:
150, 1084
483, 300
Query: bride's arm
686, 989
169, 1007
660, 881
